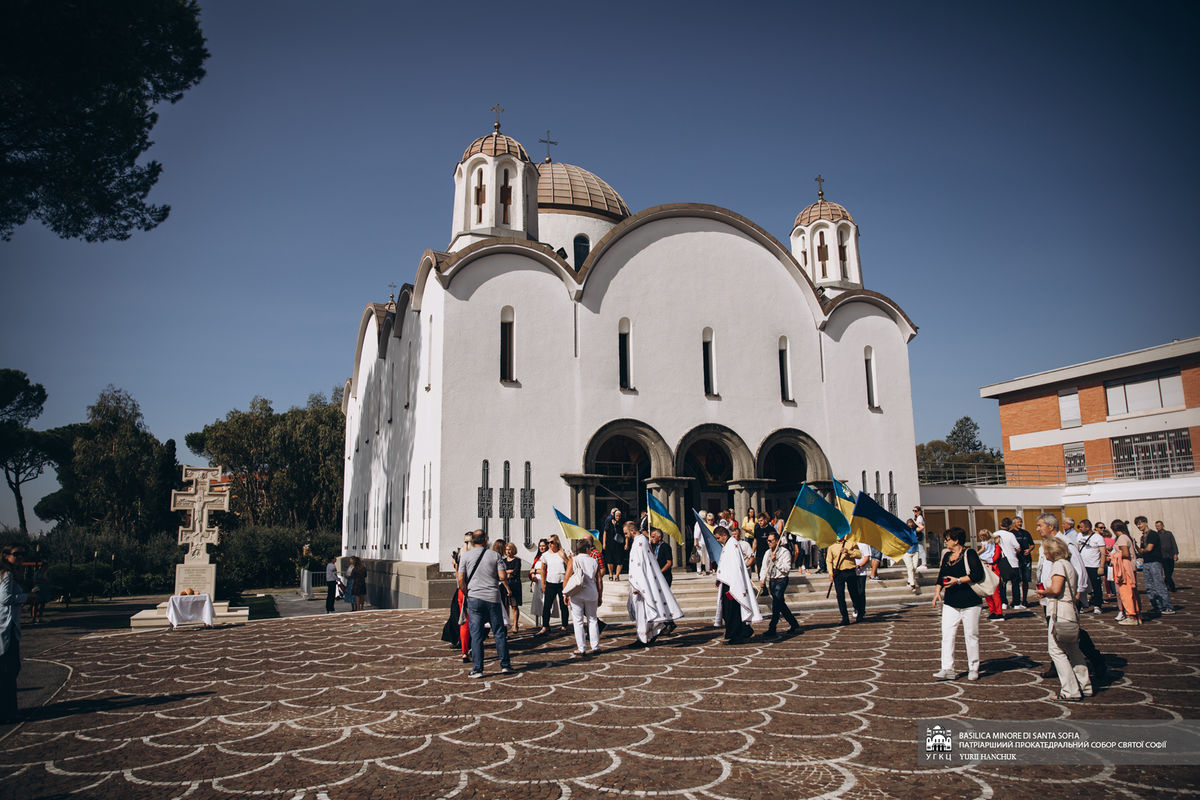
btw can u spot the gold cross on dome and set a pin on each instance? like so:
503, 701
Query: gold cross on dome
497, 110
547, 141
820, 186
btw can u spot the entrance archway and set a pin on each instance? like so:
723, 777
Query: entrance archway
787, 468
618, 459
817, 472
714, 457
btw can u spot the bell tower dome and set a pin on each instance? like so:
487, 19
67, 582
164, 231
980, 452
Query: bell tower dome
825, 242
495, 192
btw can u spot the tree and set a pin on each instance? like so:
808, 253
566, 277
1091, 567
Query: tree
118, 476
287, 468
78, 85
22, 453
964, 437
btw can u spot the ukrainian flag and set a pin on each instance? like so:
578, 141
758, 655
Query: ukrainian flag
814, 517
659, 518
574, 531
872, 525
710, 541
845, 498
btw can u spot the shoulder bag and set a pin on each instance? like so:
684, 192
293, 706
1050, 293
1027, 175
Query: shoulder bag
574, 584
991, 581
462, 612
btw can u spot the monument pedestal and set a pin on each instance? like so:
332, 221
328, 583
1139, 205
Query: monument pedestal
201, 578
157, 617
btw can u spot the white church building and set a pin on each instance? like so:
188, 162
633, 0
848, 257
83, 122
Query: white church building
563, 351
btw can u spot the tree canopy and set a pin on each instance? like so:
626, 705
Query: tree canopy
287, 468
79, 82
961, 446
22, 451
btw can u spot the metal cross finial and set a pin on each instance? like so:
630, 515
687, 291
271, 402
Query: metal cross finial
392, 293
547, 141
498, 111
820, 187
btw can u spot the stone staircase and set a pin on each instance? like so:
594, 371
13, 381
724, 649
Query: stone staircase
697, 594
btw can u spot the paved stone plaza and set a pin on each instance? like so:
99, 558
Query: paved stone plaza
373, 705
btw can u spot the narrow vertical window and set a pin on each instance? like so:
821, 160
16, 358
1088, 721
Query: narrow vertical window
582, 248
505, 198
803, 252
878, 489
506, 344
785, 377
823, 254
710, 388
842, 254
864, 480
623, 354
480, 195
869, 362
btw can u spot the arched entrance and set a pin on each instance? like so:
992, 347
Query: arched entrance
789, 457
618, 459
718, 461
787, 469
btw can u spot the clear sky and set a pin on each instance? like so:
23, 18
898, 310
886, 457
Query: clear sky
1024, 176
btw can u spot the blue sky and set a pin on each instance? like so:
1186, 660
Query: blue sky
1023, 176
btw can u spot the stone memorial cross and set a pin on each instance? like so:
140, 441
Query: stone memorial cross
197, 572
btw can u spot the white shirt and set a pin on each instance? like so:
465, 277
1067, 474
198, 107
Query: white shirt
554, 565
1090, 548
1009, 546
777, 564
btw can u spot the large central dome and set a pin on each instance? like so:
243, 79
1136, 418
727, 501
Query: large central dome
570, 188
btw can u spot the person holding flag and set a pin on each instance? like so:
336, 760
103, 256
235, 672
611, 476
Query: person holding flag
737, 602
707, 523
651, 605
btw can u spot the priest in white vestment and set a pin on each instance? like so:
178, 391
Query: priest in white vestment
737, 601
651, 604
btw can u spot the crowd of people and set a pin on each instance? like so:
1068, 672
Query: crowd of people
1076, 568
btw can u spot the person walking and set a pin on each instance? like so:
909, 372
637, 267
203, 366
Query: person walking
586, 602
480, 572
705, 564
990, 554
1170, 553
843, 575
774, 576
1062, 637
1152, 568
1092, 551
1024, 559
651, 605
1129, 607
737, 606
11, 599
960, 567
512, 565
616, 545
552, 569
535, 581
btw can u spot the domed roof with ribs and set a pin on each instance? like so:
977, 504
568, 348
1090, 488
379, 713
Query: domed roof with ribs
496, 144
568, 187
822, 209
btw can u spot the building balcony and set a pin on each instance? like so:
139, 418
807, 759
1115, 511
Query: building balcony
1129, 469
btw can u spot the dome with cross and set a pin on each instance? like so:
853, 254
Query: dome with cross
822, 209
496, 144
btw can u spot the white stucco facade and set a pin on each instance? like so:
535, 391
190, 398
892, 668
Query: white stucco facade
430, 401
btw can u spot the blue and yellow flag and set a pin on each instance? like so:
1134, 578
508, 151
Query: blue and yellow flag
710, 539
573, 531
814, 517
845, 498
659, 518
873, 525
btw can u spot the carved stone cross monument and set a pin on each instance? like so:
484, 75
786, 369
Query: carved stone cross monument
196, 572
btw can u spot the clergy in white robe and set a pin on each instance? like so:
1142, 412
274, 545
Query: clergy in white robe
651, 604
737, 601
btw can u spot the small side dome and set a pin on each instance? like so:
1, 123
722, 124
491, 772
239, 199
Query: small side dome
496, 144
571, 188
822, 209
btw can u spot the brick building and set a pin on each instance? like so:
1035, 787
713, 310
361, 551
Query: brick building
1107, 439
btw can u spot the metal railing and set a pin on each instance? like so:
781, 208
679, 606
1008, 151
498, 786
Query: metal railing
955, 474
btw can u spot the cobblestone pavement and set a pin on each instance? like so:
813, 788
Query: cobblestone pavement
373, 705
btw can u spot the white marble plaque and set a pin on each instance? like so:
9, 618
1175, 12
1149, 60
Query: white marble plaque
201, 577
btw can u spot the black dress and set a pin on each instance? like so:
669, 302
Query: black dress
514, 581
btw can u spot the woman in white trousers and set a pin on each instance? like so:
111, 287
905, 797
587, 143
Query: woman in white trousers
960, 568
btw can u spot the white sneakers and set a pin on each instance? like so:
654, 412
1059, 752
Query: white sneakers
1096, 610
945, 674
973, 675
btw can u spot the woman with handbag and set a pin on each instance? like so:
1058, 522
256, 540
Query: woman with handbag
960, 568
584, 589
1062, 639
535, 584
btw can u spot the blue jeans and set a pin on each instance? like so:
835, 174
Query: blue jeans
1156, 585
479, 612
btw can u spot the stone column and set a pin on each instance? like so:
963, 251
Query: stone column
583, 497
